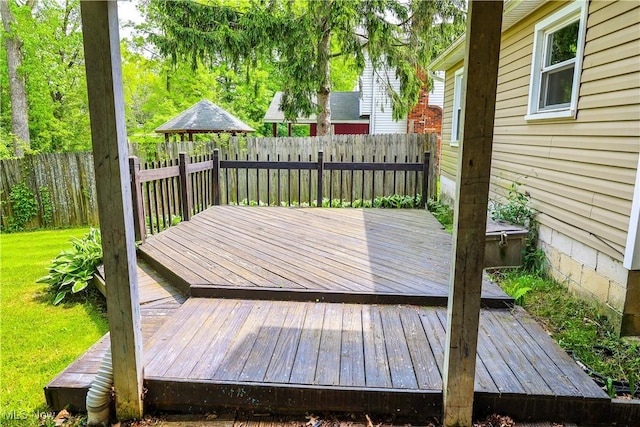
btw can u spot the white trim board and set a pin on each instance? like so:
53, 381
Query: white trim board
632, 250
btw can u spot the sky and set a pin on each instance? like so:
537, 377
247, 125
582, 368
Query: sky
127, 12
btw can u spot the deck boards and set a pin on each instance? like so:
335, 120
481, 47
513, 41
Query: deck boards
296, 347
277, 336
367, 255
325, 310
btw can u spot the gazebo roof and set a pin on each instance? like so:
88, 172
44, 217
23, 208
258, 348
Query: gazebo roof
203, 117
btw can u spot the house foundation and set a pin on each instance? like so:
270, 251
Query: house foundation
594, 276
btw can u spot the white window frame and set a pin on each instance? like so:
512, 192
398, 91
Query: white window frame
576, 11
458, 91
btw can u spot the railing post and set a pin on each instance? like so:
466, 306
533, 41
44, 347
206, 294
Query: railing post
433, 144
136, 199
185, 190
425, 179
215, 184
320, 176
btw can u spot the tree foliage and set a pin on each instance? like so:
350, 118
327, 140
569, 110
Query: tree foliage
301, 38
53, 66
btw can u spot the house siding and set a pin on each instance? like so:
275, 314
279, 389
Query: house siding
579, 172
366, 88
448, 152
436, 96
375, 102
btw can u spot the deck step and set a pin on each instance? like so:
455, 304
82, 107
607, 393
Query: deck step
333, 255
305, 295
312, 356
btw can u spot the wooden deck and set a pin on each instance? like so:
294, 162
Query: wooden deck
246, 339
333, 255
278, 356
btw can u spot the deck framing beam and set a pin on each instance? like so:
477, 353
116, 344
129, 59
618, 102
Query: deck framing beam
110, 153
474, 168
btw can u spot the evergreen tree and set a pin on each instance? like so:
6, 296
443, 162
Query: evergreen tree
301, 38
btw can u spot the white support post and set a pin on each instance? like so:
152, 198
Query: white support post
474, 169
110, 156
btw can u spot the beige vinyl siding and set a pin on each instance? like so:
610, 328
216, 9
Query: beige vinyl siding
580, 173
448, 153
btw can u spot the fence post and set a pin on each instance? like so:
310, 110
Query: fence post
320, 175
185, 189
425, 179
215, 185
137, 202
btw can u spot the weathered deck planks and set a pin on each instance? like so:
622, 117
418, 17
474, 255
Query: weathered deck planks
308, 350
304, 353
333, 255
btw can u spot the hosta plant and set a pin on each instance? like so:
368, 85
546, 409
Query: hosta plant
72, 270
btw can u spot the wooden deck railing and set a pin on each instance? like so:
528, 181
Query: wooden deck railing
167, 192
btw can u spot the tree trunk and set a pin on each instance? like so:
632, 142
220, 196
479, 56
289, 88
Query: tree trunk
324, 90
17, 85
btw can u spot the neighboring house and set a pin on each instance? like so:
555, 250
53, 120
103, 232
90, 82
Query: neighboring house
567, 129
369, 111
345, 117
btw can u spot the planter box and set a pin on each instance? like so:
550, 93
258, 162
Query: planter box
504, 244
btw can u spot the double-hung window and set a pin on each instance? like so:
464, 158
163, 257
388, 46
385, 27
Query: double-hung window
557, 63
456, 126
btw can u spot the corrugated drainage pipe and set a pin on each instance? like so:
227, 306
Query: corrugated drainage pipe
99, 394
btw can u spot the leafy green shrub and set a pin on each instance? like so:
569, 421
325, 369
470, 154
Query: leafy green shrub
396, 201
23, 206
518, 285
72, 269
516, 210
443, 213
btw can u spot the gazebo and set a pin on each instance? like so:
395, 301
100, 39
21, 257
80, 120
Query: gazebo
203, 117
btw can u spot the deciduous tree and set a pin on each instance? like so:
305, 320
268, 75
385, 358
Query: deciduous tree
17, 84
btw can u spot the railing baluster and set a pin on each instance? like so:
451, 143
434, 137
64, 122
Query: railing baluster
237, 183
136, 195
425, 179
320, 178
258, 180
148, 204
289, 180
363, 172
299, 183
330, 182
373, 181
279, 201
247, 183
185, 191
268, 184
215, 178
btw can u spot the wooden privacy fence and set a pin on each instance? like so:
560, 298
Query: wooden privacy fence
166, 192
63, 184
389, 145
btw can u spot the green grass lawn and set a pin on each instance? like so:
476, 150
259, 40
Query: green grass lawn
37, 340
